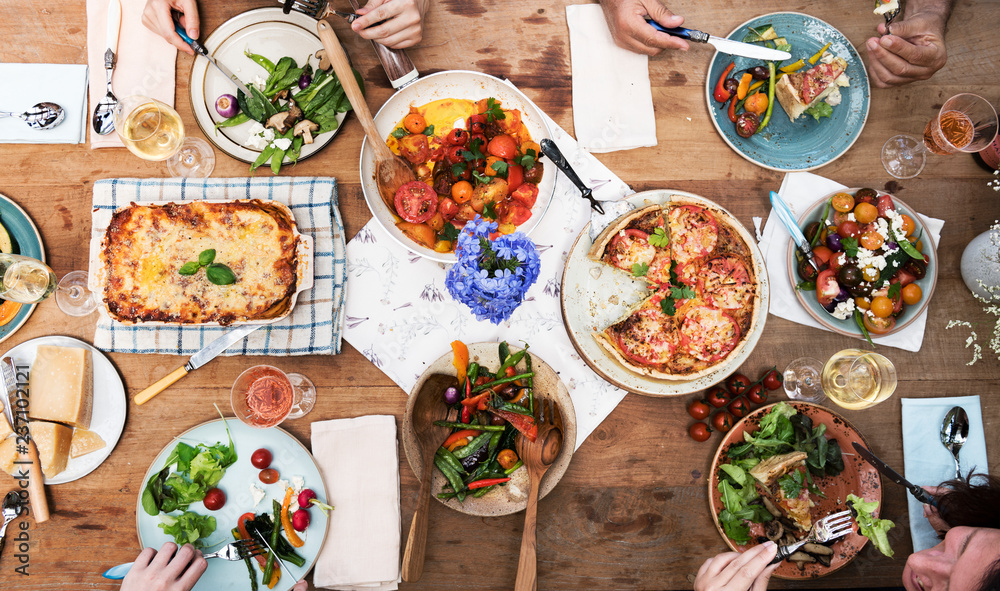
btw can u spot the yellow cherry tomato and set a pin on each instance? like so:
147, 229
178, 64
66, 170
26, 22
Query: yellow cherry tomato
490, 171
862, 303
415, 123
442, 246
870, 273
908, 225
461, 191
912, 294
865, 213
507, 458
843, 202
531, 146
881, 306
919, 246
871, 240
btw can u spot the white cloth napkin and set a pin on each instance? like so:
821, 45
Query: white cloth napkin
401, 317
928, 463
25, 85
358, 461
612, 99
800, 190
145, 61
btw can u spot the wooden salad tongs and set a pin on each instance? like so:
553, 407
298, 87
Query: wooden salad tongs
391, 171
427, 407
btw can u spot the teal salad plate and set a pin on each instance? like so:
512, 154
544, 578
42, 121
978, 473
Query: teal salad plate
26, 241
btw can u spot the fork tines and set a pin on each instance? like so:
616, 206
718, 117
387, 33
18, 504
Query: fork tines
311, 8
834, 526
247, 548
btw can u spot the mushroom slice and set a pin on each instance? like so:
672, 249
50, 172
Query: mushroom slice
324, 62
801, 557
305, 129
770, 507
279, 121
773, 530
818, 549
283, 94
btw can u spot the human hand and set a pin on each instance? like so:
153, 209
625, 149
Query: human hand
300, 586
908, 50
931, 513
403, 26
626, 19
169, 569
733, 571
157, 18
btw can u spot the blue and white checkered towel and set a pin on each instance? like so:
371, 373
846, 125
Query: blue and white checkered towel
313, 327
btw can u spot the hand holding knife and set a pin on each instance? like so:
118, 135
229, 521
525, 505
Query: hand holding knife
721, 44
918, 492
202, 51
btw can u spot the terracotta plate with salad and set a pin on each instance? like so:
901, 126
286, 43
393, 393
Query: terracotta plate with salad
820, 113
250, 481
878, 263
485, 468
816, 483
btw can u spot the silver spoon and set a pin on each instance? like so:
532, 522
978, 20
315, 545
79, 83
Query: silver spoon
104, 122
41, 116
10, 509
954, 432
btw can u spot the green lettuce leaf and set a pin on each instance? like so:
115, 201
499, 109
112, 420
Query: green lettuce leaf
819, 110
188, 527
871, 527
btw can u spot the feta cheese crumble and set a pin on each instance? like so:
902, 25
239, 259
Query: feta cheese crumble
844, 310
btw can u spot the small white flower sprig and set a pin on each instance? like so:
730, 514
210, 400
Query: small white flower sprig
989, 304
995, 183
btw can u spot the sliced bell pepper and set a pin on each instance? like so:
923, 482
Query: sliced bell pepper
459, 435
793, 67
815, 57
486, 482
466, 414
460, 360
721, 94
756, 85
732, 108
741, 90
523, 423
286, 521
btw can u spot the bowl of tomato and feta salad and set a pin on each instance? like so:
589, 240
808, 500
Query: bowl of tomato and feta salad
877, 263
471, 141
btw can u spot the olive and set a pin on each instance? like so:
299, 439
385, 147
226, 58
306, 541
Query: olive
806, 271
866, 196
916, 267
731, 84
759, 73
746, 124
811, 230
849, 275
861, 290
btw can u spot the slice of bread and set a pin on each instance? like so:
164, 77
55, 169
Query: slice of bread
788, 90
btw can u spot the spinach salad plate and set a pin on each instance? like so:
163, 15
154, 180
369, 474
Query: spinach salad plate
803, 144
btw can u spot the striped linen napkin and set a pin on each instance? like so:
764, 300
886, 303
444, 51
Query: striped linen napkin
313, 327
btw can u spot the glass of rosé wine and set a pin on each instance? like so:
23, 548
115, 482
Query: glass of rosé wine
264, 396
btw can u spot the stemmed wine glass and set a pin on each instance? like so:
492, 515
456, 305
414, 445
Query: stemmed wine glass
857, 379
803, 380
965, 123
264, 396
29, 281
152, 130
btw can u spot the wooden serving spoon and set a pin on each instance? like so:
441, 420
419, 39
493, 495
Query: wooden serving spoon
391, 171
428, 407
538, 456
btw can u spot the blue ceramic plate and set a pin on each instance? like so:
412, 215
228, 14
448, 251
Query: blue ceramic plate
848, 326
805, 144
291, 459
28, 242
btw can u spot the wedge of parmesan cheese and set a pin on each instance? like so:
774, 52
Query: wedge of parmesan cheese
53, 442
84, 442
61, 386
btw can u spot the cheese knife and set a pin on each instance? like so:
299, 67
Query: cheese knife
722, 44
787, 220
197, 360
918, 492
202, 51
27, 452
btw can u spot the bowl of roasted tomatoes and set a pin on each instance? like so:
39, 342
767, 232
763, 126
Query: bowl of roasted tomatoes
472, 142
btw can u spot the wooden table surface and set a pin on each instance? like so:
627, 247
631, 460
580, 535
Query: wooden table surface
631, 511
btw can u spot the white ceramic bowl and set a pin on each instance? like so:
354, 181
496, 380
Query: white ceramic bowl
451, 84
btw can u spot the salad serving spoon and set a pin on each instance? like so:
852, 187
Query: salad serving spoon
954, 433
41, 116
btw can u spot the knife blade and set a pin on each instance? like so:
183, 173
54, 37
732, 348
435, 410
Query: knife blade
918, 492
202, 51
26, 445
787, 220
722, 44
268, 546
210, 352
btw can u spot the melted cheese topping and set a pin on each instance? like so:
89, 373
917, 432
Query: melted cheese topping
146, 245
709, 333
727, 283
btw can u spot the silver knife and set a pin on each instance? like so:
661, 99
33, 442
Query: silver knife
202, 51
787, 220
197, 360
918, 492
283, 567
722, 44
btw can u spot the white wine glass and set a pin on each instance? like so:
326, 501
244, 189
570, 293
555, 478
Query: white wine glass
857, 379
965, 123
153, 131
803, 380
29, 281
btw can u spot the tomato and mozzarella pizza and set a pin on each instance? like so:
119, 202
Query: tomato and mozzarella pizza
704, 289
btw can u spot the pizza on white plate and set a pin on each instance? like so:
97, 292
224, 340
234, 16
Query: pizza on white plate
704, 291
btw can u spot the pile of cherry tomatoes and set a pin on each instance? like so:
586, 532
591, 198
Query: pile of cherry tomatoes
722, 406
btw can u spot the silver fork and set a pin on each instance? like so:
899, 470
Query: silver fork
238, 550
317, 9
889, 17
829, 528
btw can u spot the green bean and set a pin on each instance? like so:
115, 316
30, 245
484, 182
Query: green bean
504, 351
450, 459
530, 383
515, 408
502, 381
473, 446
483, 491
253, 575
513, 468
451, 425
511, 361
473, 372
453, 479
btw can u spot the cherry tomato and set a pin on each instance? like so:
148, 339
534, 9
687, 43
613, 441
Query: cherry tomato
457, 137
908, 225
885, 205
871, 240
514, 213
502, 146
865, 213
849, 229
903, 277
870, 274
756, 104
738, 408
419, 233
773, 380
912, 294
447, 208
511, 121
261, 458
747, 124
699, 409
866, 195
862, 303
876, 325
416, 202
843, 202
507, 458
722, 421
268, 476
823, 254
527, 193
414, 148
461, 191
717, 396
827, 287
515, 176
881, 306
477, 123
454, 155
489, 169
699, 431
837, 261
214, 499
436, 222
757, 394
415, 123
738, 384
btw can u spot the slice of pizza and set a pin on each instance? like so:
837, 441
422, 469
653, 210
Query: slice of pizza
637, 243
694, 232
783, 479
644, 339
708, 334
800, 90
